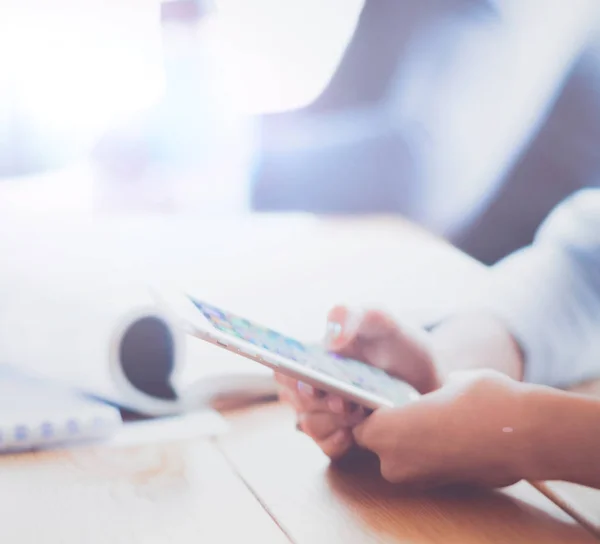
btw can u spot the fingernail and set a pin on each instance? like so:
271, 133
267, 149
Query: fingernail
336, 405
299, 421
306, 390
334, 331
343, 323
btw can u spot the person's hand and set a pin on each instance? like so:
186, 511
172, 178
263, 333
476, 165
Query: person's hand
327, 419
476, 429
372, 337
375, 338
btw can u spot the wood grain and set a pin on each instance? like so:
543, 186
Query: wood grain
583, 503
316, 502
176, 493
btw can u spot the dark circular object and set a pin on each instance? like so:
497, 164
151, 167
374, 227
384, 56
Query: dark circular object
147, 355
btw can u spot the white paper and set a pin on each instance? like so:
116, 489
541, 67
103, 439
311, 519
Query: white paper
38, 413
63, 315
204, 423
69, 290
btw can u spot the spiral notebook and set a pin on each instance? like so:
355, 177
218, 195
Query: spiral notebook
36, 414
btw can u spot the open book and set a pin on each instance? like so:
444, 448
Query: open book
76, 308
125, 351
76, 305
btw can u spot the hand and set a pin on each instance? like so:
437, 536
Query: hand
374, 338
476, 429
327, 419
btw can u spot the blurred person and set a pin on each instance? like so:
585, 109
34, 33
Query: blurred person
472, 117
493, 410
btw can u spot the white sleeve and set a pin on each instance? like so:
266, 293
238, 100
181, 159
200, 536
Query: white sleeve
549, 294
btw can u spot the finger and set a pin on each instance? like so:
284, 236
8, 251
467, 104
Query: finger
284, 380
374, 326
290, 388
316, 401
361, 433
288, 382
309, 392
370, 433
334, 403
342, 326
337, 444
302, 404
305, 400
320, 425
402, 352
296, 387
292, 383
350, 331
340, 406
286, 396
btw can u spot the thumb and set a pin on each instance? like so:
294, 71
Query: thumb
360, 433
366, 432
343, 325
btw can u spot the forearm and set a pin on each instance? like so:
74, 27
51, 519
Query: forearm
564, 441
475, 341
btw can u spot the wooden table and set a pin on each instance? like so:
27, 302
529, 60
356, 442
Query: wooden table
264, 481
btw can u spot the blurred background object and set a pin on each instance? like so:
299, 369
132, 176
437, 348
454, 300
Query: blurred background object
564, 156
225, 62
189, 150
68, 70
470, 117
155, 100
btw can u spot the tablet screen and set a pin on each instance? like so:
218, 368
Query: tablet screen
360, 375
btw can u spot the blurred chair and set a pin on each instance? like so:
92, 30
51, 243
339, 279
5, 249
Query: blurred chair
466, 116
564, 157
323, 158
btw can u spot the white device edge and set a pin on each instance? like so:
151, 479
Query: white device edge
183, 309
